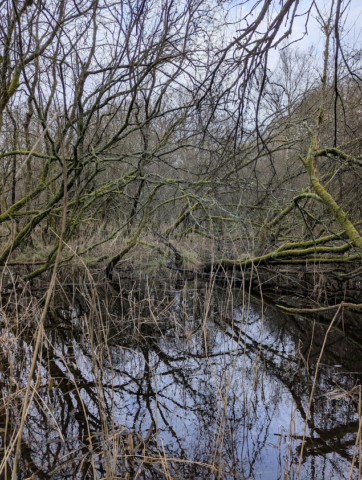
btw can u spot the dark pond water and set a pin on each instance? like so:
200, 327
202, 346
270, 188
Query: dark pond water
181, 383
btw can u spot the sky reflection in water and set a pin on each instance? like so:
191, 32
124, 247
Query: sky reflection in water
202, 379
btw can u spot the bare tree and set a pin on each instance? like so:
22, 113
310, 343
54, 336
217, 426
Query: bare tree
169, 117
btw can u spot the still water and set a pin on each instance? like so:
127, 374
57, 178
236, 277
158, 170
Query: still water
181, 382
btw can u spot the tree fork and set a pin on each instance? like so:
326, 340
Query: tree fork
338, 213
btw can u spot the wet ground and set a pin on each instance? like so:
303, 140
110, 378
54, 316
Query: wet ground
181, 382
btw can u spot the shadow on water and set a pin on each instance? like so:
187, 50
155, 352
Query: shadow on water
188, 382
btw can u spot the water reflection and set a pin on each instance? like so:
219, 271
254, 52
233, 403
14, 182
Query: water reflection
184, 383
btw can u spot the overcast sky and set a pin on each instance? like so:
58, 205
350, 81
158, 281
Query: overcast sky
310, 35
